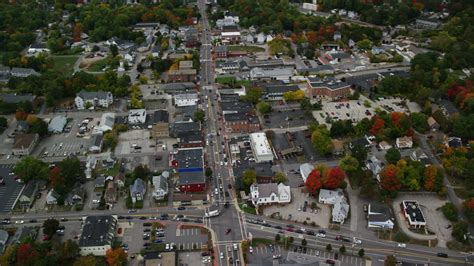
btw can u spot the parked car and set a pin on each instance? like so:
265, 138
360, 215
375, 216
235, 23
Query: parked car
401, 245
442, 255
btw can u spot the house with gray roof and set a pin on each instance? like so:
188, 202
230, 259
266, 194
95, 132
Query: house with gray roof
137, 190
28, 194
380, 216
336, 198
17, 98
3, 240
160, 186
94, 99
52, 197
23, 233
20, 72
76, 196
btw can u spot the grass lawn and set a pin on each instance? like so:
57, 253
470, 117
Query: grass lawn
248, 209
231, 80
257, 241
250, 49
64, 63
98, 65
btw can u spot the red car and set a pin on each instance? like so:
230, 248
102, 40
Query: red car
119, 231
290, 229
45, 237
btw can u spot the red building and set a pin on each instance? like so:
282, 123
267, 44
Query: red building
189, 163
328, 88
241, 123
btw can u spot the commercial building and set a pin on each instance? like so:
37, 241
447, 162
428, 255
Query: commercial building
161, 124
283, 74
305, 170
189, 163
107, 122
261, 147
270, 193
24, 144
57, 124
380, 216
93, 99
181, 75
241, 123
188, 99
413, 214
97, 236
136, 116
231, 36
274, 92
340, 208
327, 88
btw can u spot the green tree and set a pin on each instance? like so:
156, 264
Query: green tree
3, 122
349, 164
264, 107
249, 177
419, 122
280, 177
110, 140
39, 127
364, 44
390, 260
321, 140
361, 252
329, 247
68, 250
393, 156
114, 50
208, 172
30, 168
460, 232
253, 95
304, 242
360, 153
199, 116
85, 261
71, 171
277, 238
450, 211
342, 249
50, 226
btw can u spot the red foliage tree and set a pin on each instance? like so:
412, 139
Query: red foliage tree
54, 175
76, 32
378, 125
26, 254
389, 180
410, 132
313, 182
20, 115
396, 117
430, 177
333, 178
115, 257
312, 37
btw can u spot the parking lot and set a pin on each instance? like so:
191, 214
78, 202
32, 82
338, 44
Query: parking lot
11, 190
320, 216
135, 141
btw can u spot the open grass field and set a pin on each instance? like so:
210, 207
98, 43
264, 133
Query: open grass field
64, 63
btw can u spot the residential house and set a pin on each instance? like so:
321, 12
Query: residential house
76, 196
189, 164
97, 235
23, 72
85, 99
380, 216
22, 127
434, 126
137, 190
375, 166
270, 193
28, 194
37, 47
57, 124
384, 145
17, 98
99, 182
453, 142
427, 23
336, 198
24, 233
24, 144
420, 156
120, 179
160, 186
413, 214
136, 116
327, 88
404, 142
52, 197
364, 142
111, 193
338, 147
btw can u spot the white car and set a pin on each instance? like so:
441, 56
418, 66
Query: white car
320, 235
251, 250
20, 222
276, 256
235, 247
167, 247
357, 241
222, 255
401, 245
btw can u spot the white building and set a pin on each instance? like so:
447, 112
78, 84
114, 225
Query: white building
305, 170
98, 234
270, 193
379, 216
57, 124
261, 147
413, 214
136, 116
188, 99
283, 74
160, 186
336, 198
94, 99
107, 122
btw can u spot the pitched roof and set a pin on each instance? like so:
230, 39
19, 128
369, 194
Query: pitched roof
138, 186
15, 98
90, 95
24, 140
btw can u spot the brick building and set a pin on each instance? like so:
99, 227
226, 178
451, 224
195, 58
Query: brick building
327, 88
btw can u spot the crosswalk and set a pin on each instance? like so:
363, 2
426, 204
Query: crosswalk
343, 259
188, 232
